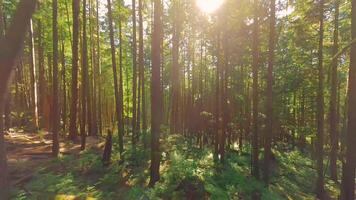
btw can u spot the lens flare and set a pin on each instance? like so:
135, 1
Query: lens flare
209, 6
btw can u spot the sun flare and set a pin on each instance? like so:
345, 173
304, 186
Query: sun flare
209, 6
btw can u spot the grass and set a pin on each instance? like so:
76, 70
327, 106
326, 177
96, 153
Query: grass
187, 172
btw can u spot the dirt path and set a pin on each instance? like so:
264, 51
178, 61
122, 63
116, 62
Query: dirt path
27, 152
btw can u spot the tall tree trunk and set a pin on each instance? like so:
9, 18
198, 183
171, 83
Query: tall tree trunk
175, 72
134, 74
99, 69
121, 90
334, 121
320, 107
85, 83
3, 160
113, 62
33, 78
269, 95
255, 63
11, 44
217, 99
64, 89
142, 67
55, 106
156, 94
348, 176
73, 130
41, 74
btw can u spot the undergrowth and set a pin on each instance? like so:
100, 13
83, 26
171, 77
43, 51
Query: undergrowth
187, 172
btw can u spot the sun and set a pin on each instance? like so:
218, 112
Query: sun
209, 6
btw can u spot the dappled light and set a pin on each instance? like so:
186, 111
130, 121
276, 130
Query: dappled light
177, 99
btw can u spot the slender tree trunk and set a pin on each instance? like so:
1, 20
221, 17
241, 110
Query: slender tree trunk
85, 83
41, 74
269, 95
116, 87
156, 94
55, 106
348, 176
175, 72
142, 67
3, 159
33, 79
320, 108
134, 74
73, 130
121, 89
64, 89
334, 121
255, 63
99, 69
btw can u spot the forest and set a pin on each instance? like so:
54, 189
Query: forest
177, 99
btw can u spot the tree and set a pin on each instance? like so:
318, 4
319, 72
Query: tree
73, 130
114, 68
269, 95
348, 176
156, 95
33, 78
255, 63
55, 106
11, 43
334, 134
175, 72
320, 107
142, 67
85, 118
134, 74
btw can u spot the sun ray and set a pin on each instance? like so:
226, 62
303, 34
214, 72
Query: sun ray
209, 6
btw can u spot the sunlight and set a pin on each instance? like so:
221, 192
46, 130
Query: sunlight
209, 6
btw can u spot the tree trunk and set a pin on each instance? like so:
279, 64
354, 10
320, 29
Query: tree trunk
348, 176
269, 95
64, 89
175, 72
33, 79
320, 108
85, 83
134, 74
142, 68
99, 69
113, 62
255, 63
156, 94
334, 121
73, 130
55, 87
121, 91
11, 44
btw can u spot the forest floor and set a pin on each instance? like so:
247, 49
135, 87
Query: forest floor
187, 172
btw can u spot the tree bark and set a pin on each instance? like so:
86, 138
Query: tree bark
142, 67
73, 130
175, 72
156, 94
320, 107
334, 121
114, 67
269, 95
10, 47
55, 87
33, 78
348, 176
255, 99
134, 74
86, 115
